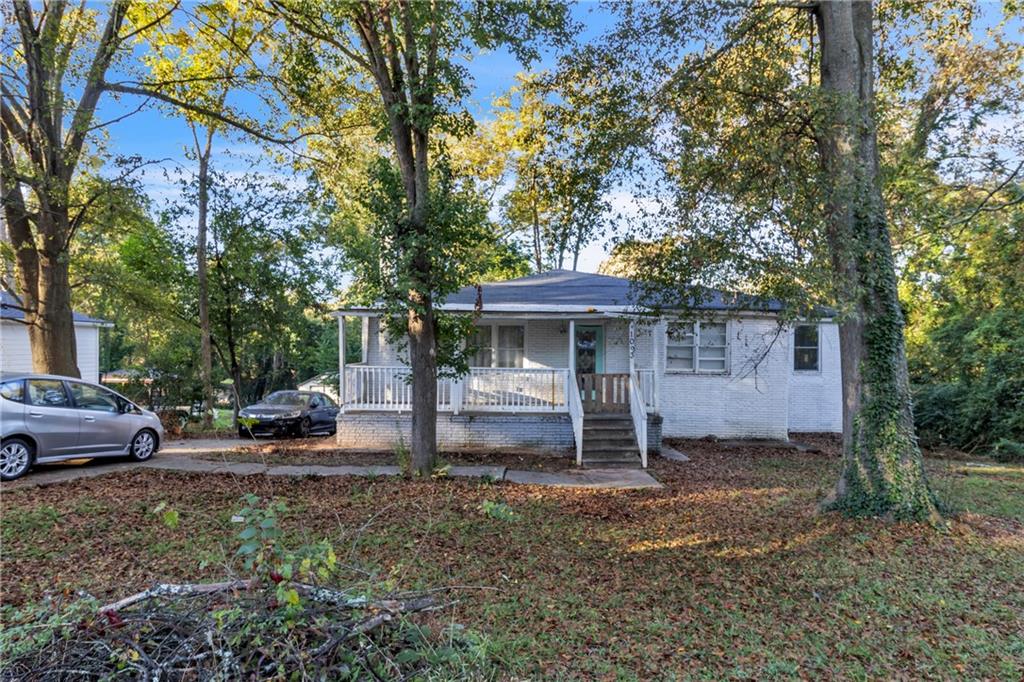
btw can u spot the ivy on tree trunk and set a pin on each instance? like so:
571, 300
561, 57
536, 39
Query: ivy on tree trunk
883, 472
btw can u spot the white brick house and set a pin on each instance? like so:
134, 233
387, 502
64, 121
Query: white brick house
564, 360
16, 352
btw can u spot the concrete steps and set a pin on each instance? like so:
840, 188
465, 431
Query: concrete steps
609, 442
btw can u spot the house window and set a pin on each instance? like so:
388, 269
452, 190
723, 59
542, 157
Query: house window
680, 348
481, 341
711, 346
805, 348
498, 346
700, 346
511, 345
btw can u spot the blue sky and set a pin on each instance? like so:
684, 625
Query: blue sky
155, 134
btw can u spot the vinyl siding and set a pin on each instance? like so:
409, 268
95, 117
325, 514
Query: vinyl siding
16, 353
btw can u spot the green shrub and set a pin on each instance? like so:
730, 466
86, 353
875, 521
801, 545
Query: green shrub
1008, 451
937, 414
498, 510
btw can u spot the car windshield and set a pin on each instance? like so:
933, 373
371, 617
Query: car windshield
286, 398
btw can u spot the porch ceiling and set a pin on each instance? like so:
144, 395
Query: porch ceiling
525, 314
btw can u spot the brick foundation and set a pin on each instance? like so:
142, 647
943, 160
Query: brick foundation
384, 431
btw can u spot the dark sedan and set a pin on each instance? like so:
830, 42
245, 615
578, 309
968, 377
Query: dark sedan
295, 413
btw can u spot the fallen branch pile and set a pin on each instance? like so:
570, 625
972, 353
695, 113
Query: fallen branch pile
239, 630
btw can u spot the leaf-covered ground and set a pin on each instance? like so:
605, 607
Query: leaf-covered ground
728, 572
325, 451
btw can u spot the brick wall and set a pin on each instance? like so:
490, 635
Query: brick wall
379, 431
744, 403
654, 423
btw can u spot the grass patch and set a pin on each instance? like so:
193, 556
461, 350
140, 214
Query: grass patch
989, 489
729, 572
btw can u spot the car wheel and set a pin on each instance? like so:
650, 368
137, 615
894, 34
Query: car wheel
303, 429
143, 445
245, 433
15, 459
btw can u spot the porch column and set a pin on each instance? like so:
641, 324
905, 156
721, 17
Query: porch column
572, 346
341, 362
632, 348
658, 352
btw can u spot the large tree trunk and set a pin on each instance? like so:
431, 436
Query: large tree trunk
205, 346
44, 285
51, 330
882, 472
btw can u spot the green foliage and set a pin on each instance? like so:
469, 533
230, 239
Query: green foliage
260, 532
561, 171
498, 510
19, 522
36, 625
168, 515
964, 295
1008, 451
403, 457
723, 153
457, 244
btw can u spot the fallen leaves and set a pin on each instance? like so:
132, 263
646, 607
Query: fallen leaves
730, 571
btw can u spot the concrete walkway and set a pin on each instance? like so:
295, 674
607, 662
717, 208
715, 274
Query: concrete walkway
669, 452
173, 459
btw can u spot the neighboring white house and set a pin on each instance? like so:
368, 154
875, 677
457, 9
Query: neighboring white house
16, 353
566, 360
321, 383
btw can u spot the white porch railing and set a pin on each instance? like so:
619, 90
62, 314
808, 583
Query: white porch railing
575, 405
370, 387
638, 411
645, 383
514, 390
484, 389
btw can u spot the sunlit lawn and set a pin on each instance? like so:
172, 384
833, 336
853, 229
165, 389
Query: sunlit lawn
728, 572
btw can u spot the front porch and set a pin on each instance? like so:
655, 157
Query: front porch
559, 383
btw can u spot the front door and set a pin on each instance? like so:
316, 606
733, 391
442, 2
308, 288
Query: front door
589, 349
599, 392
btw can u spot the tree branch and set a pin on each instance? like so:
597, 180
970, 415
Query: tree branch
204, 111
983, 206
93, 88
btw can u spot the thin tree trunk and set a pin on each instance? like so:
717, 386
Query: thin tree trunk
537, 256
423, 361
883, 473
205, 349
422, 327
405, 82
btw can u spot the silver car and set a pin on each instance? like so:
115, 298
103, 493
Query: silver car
47, 418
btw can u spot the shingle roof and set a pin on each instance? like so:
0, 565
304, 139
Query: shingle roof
584, 289
9, 311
